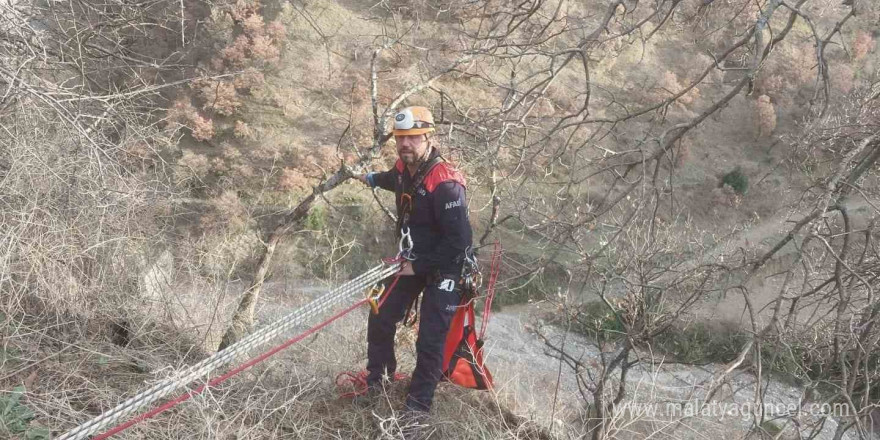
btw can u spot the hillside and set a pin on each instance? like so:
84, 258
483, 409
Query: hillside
686, 192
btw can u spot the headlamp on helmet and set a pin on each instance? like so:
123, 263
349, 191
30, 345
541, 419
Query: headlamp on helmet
413, 121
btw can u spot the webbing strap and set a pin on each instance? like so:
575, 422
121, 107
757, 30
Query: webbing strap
404, 198
412, 312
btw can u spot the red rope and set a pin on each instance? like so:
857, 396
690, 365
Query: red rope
223, 378
358, 381
494, 270
393, 283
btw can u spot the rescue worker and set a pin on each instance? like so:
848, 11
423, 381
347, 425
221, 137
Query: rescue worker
432, 207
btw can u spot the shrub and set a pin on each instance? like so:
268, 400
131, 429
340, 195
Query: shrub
726, 196
291, 179
231, 210
699, 343
316, 218
843, 78
196, 163
15, 418
771, 84
863, 44
219, 96
687, 343
736, 180
183, 113
599, 322
672, 85
242, 130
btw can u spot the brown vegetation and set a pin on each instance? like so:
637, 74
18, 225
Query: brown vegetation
187, 145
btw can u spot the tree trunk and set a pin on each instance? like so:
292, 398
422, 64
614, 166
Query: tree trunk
243, 319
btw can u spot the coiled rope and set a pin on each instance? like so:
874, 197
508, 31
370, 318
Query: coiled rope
165, 387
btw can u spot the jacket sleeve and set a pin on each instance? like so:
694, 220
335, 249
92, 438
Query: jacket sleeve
384, 180
451, 218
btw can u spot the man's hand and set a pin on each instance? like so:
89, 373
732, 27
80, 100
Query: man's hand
362, 178
406, 268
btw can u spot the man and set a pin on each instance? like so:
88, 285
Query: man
431, 204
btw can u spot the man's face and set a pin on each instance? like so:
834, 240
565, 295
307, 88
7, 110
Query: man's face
411, 148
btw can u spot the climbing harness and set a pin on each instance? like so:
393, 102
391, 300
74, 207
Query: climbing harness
190, 374
411, 317
405, 195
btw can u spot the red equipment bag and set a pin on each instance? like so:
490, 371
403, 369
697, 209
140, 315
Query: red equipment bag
463, 353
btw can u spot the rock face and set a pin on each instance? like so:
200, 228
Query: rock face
195, 306
157, 275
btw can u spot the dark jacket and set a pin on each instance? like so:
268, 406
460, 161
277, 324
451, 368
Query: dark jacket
438, 221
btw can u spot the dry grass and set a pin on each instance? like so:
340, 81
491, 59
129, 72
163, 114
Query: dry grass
108, 282
73, 374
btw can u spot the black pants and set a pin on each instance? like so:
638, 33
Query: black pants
441, 297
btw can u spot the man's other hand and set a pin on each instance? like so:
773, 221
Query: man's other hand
362, 178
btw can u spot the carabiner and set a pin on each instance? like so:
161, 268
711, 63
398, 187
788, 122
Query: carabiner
405, 246
373, 295
471, 260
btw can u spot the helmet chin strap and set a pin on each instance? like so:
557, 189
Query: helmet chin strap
421, 160
428, 150
427, 154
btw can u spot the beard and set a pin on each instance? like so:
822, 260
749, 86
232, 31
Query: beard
409, 158
412, 157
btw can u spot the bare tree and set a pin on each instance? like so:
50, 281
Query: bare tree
555, 172
571, 132
84, 162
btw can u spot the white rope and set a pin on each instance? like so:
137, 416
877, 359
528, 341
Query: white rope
230, 353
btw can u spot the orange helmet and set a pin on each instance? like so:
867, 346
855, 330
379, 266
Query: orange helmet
413, 120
